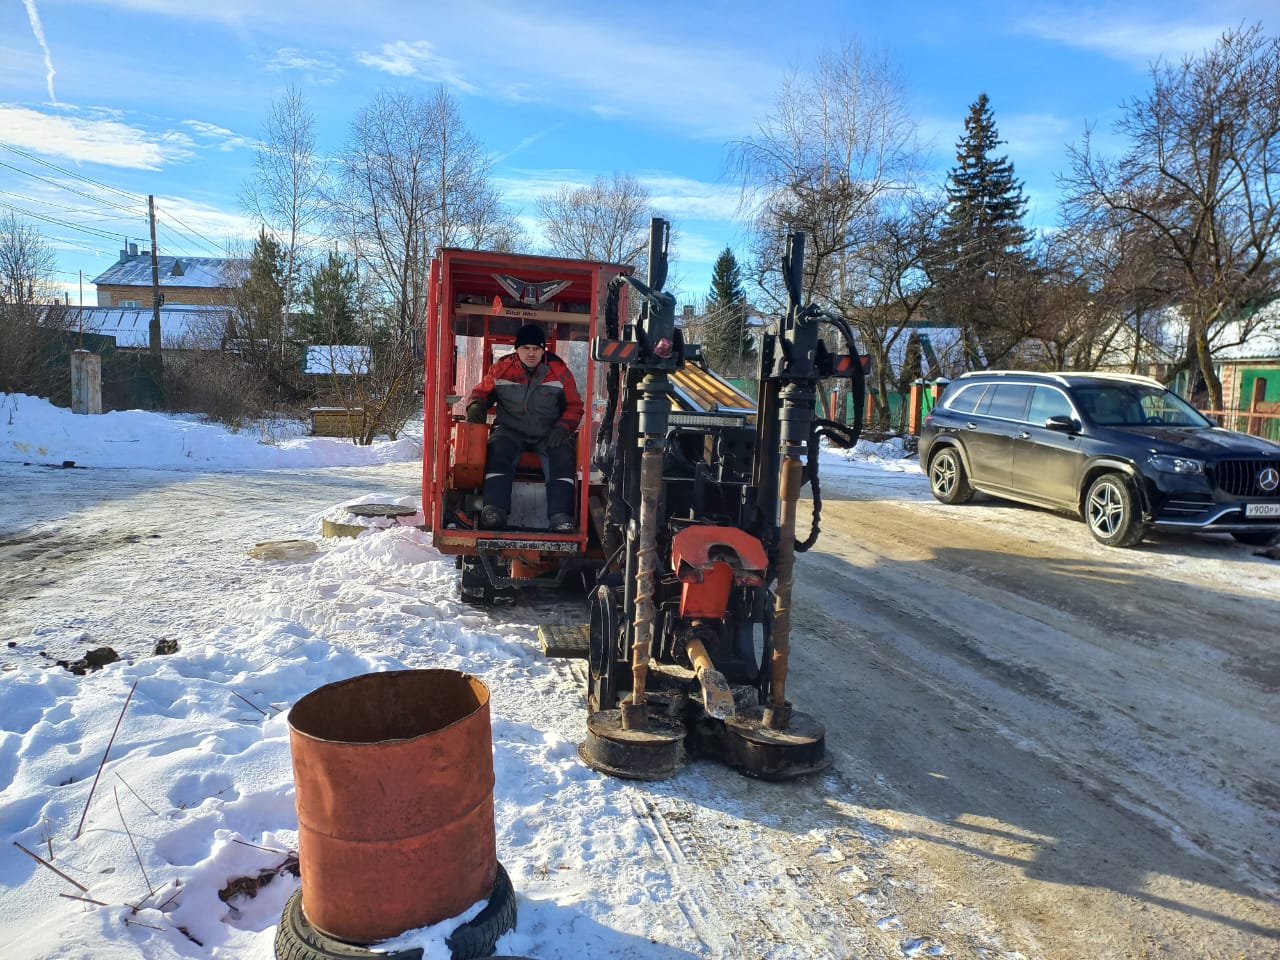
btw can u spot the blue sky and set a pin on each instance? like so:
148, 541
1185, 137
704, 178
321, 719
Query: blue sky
137, 97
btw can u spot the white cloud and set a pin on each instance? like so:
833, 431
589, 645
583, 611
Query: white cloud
672, 73
1134, 37
317, 69
698, 83
679, 197
210, 222
223, 138
416, 59
526, 186
92, 140
686, 199
525, 142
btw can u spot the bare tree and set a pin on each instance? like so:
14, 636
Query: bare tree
837, 145
470, 212
1201, 177
27, 265
886, 290
413, 178
490, 225
606, 220
378, 379
286, 194
1106, 289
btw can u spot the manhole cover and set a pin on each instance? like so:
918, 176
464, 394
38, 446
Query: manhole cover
381, 510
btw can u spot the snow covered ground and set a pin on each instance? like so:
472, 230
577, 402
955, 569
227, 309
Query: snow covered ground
197, 789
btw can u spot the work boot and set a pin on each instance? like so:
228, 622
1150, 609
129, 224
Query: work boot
562, 523
493, 518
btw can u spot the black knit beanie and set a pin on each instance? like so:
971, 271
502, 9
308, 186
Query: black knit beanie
531, 334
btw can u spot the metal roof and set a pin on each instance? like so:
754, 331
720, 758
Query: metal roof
1261, 345
336, 359
181, 325
942, 347
135, 271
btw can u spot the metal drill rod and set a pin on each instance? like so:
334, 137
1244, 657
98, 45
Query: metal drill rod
789, 492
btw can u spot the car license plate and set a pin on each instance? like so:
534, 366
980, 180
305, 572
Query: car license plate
1262, 509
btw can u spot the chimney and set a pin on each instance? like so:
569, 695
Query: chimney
124, 254
133, 249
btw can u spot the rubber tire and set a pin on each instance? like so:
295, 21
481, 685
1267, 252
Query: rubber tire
297, 939
1111, 510
476, 938
947, 479
1256, 538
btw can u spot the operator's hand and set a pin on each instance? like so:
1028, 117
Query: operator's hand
558, 436
476, 411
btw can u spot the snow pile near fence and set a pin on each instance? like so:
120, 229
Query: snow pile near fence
32, 430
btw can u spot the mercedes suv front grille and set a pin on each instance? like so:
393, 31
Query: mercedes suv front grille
1243, 478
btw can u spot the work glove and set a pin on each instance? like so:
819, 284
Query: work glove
558, 436
476, 411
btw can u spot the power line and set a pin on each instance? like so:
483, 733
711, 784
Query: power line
170, 240
86, 211
61, 223
194, 232
76, 243
80, 193
69, 173
131, 212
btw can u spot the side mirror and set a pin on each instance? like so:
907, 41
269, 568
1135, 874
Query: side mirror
1063, 424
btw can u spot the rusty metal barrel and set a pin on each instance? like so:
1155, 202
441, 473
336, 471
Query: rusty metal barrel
394, 777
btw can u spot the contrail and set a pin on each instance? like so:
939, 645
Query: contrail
38, 29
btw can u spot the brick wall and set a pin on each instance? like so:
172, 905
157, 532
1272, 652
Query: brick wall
111, 295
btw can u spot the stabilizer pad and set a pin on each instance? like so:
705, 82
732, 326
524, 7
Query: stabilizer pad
759, 751
653, 753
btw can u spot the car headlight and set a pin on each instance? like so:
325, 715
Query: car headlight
1167, 464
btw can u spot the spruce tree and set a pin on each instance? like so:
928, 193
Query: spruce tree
260, 296
261, 335
727, 343
983, 242
330, 297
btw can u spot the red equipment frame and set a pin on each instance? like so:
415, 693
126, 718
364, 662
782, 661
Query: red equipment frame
471, 319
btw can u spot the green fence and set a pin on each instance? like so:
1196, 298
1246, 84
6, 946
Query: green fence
897, 403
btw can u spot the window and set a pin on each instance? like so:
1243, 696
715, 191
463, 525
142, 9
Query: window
966, 398
1048, 402
1007, 401
128, 303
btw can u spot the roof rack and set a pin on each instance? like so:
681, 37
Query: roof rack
1063, 377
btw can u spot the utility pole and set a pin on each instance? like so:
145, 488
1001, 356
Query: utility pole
157, 362
155, 286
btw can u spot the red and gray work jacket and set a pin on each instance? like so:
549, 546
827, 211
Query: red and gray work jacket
531, 402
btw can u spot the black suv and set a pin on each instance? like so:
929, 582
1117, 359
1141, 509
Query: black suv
1121, 451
